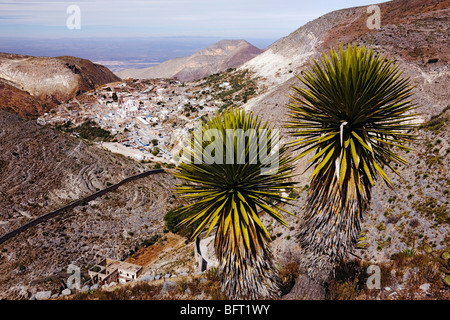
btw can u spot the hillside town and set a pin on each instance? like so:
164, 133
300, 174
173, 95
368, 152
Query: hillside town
147, 118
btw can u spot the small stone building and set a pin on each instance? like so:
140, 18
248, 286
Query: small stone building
110, 270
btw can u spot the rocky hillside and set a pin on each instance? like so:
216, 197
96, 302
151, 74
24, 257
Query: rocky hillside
413, 33
216, 58
42, 169
19, 101
30, 86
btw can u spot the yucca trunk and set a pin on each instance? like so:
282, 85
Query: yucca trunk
246, 274
332, 228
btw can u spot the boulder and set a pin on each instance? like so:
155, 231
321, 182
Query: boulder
425, 287
66, 292
43, 295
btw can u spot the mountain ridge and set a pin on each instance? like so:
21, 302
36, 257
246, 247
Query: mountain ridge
213, 59
420, 23
32, 85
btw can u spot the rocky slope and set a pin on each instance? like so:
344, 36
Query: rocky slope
413, 33
412, 216
33, 85
41, 170
216, 58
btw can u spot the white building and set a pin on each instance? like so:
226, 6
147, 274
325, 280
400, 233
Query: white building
130, 108
114, 271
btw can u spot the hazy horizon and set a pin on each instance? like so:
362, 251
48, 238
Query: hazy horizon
118, 53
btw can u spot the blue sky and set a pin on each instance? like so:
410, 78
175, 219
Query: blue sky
139, 18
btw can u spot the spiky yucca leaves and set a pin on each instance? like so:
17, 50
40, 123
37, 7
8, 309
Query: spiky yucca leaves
230, 194
354, 111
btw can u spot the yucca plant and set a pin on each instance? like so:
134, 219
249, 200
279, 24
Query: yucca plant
352, 116
228, 187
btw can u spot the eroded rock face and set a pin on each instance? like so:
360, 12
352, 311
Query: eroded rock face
41, 77
32, 85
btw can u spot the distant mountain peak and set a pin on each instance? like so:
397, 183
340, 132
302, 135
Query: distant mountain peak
213, 59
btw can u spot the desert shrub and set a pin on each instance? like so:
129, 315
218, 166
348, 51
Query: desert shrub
427, 268
173, 221
430, 208
182, 284
346, 290
212, 274
349, 280
211, 286
155, 151
89, 130
436, 123
216, 292
157, 166
151, 241
96, 269
170, 166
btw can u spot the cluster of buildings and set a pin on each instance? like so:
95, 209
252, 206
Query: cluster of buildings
142, 114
